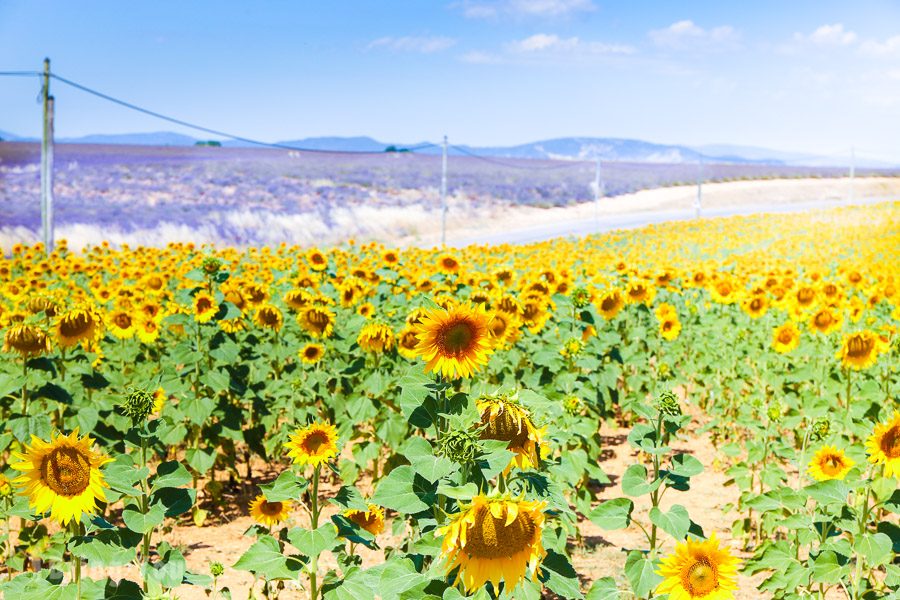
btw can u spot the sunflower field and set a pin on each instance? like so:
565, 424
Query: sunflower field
480, 422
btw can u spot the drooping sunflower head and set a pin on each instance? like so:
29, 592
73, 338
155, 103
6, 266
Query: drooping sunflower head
454, 342
785, 338
611, 303
376, 338
883, 446
504, 328
504, 419
494, 540
313, 445
860, 350
205, 307
407, 341
269, 317
61, 476
830, 463
298, 299
699, 569
318, 321
311, 353
372, 520
26, 340
269, 513
75, 325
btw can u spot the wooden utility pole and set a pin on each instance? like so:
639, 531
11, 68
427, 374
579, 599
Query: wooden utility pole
47, 163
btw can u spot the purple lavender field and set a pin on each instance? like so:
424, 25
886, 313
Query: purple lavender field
242, 196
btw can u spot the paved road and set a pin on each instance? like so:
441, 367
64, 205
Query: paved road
639, 219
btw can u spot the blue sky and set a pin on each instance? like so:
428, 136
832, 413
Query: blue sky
817, 76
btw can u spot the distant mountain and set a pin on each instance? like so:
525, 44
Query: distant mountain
159, 138
11, 137
338, 144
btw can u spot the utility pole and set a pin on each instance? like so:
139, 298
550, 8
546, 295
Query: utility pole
47, 163
444, 194
598, 193
852, 171
698, 203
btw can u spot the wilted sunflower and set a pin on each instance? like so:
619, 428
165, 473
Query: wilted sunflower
298, 299
26, 340
503, 418
454, 342
830, 463
76, 325
313, 445
311, 353
62, 476
269, 317
494, 540
376, 338
825, 321
699, 570
205, 307
318, 321
860, 350
372, 520
883, 445
269, 513
611, 303
785, 338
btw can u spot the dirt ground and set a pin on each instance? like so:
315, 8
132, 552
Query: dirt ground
222, 539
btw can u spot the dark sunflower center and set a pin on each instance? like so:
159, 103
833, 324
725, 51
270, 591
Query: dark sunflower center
832, 464
785, 337
204, 304
314, 441
312, 352
724, 289
269, 317
700, 578
409, 340
805, 296
457, 337
76, 325
66, 471
609, 304
823, 319
756, 304
270, 508
366, 520
504, 427
890, 442
859, 346
490, 537
123, 321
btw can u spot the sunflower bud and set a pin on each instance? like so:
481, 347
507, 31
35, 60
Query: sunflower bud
581, 297
667, 404
572, 404
211, 265
820, 429
459, 446
774, 413
216, 569
571, 348
138, 405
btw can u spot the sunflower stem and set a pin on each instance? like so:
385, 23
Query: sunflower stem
145, 507
314, 560
76, 531
24, 387
849, 384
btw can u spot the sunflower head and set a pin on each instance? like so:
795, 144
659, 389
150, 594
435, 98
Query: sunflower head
372, 520
785, 338
269, 513
504, 419
62, 476
699, 569
824, 321
313, 445
454, 342
205, 307
318, 321
407, 341
269, 317
26, 340
670, 327
830, 463
883, 446
138, 405
860, 350
311, 353
78, 324
376, 338
494, 540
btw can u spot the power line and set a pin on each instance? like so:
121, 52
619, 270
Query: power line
217, 132
568, 165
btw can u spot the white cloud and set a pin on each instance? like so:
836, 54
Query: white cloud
551, 43
887, 49
687, 34
423, 45
478, 9
828, 35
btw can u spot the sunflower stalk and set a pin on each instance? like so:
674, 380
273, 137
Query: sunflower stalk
75, 526
314, 509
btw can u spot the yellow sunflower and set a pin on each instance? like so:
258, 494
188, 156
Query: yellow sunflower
825, 321
860, 350
317, 261
494, 540
311, 353
313, 445
454, 342
366, 309
407, 342
503, 418
883, 446
371, 520
785, 338
699, 570
120, 324
504, 328
147, 330
830, 463
205, 307
670, 327
269, 317
269, 513
26, 340
755, 305
76, 325
318, 321
62, 476
610, 303
376, 338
